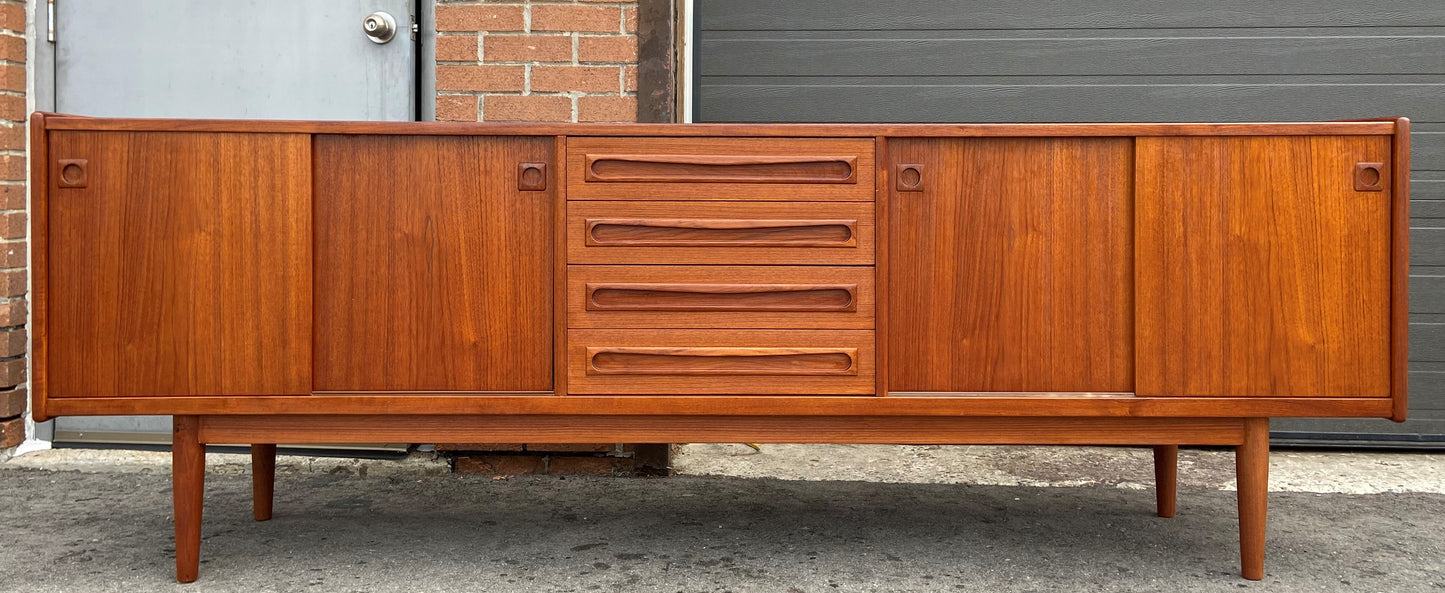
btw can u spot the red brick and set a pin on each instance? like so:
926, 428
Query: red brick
457, 48
12, 372
12, 402
12, 17
480, 78
526, 108
611, 48
12, 225
12, 48
574, 448
12, 137
12, 342
527, 48
12, 107
478, 447
12, 433
12, 196
629, 79
588, 465
13, 282
12, 78
12, 167
607, 109
572, 17
499, 464
474, 18
456, 108
629, 20
12, 254
564, 79
13, 313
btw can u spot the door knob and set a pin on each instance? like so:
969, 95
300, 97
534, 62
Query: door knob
379, 26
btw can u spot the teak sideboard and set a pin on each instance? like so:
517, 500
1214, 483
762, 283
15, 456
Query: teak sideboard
1091, 284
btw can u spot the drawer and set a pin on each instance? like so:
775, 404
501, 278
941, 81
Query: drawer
720, 233
719, 362
803, 169
779, 297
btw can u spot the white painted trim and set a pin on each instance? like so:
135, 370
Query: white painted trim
35, 12
686, 75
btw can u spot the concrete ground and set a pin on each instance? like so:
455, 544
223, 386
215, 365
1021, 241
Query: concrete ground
788, 519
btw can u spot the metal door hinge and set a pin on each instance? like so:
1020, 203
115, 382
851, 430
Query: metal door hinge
50, 20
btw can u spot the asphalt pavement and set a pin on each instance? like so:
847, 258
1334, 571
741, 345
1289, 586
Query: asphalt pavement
788, 519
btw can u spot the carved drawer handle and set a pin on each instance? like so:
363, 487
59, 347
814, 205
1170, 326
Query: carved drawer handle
688, 232
608, 168
809, 298
73, 173
1369, 177
722, 361
909, 177
531, 176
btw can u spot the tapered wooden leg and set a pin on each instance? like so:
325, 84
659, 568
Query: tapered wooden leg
1251, 468
263, 480
1166, 478
188, 476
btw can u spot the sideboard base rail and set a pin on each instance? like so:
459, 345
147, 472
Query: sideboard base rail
1249, 436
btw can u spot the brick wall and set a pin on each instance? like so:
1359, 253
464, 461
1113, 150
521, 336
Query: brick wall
14, 280
536, 61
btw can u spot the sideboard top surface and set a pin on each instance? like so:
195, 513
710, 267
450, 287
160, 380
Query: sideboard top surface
1373, 127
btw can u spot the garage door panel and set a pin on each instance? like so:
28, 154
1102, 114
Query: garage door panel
1040, 101
864, 15
1041, 53
1111, 60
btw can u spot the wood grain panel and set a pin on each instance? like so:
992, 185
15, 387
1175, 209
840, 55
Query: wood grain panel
717, 168
647, 360
1400, 270
1011, 270
780, 403
780, 297
183, 267
433, 271
773, 169
801, 233
1261, 271
630, 130
724, 429
720, 362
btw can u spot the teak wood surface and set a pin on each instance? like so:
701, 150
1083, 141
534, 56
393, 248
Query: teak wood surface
304, 282
1012, 268
178, 264
1262, 269
433, 271
761, 297
775, 233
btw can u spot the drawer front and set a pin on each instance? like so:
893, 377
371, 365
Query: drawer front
779, 297
720, 233
807, 169
719, 362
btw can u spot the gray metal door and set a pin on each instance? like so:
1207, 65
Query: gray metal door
272, 59
1114, 60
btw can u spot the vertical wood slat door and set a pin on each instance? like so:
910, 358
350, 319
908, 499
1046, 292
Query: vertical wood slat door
180, 264
433, 270
1010, 265
1262, 270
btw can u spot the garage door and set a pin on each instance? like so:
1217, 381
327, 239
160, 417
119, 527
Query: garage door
1113, 60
